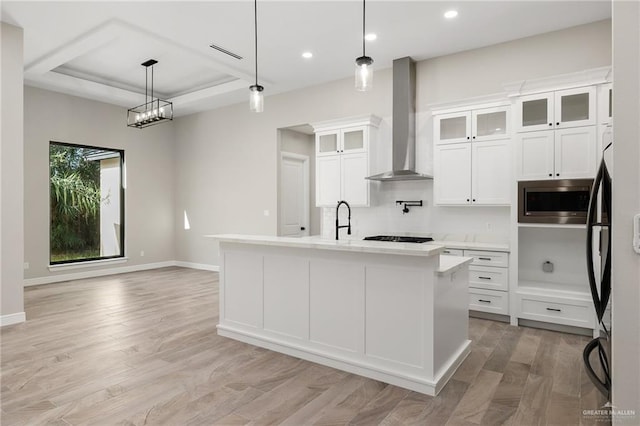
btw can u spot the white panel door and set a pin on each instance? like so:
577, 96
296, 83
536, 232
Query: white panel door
452, 174
327, 180
575, 152
491, 173
354, 170
294, 195
535, 155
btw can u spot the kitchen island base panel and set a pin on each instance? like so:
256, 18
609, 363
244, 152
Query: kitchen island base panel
396, 378
399, 318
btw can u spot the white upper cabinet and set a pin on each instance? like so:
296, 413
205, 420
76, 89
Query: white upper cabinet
452, 174
556, 110
474, 125
560, 154
491, 175
472, 156
343, 149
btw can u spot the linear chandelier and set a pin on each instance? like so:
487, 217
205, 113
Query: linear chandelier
152, 111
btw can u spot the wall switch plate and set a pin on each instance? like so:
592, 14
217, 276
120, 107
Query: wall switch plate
26, 265
141, 253
266, 212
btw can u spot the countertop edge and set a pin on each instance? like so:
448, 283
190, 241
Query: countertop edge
457, 262
357, 246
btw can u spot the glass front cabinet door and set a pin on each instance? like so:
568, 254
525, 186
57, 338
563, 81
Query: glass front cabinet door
453, 128
490, 124
557, 110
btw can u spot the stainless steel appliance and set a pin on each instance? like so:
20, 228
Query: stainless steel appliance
599, 273
554, 201
399, 239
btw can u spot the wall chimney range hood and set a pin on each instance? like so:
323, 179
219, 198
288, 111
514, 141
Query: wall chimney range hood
403, 157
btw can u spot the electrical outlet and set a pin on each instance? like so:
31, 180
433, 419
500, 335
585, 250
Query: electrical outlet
26, 265
141, 253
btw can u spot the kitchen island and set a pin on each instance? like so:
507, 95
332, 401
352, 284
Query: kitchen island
394, 312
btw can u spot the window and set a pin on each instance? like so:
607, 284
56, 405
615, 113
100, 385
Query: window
86, 203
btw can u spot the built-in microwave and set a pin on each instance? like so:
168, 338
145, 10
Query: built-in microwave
554, 201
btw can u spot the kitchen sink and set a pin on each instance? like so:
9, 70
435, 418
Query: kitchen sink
399, 239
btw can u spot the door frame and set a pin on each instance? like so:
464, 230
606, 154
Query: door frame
284, 155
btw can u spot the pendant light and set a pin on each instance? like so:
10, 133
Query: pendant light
364, 72
256, 99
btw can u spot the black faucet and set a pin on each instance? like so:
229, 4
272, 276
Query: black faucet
338, 226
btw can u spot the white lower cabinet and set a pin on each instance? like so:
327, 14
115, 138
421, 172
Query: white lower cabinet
488, 280
558, 310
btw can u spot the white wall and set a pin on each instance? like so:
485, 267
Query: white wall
11, 176
626, 203
227, 158
149, 168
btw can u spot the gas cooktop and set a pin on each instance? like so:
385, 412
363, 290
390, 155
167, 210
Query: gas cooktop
399, 239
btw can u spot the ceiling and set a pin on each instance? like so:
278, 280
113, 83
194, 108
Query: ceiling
94, 49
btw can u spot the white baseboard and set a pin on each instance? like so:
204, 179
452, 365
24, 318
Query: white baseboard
111, 271
203, 266
96, 273
12, 319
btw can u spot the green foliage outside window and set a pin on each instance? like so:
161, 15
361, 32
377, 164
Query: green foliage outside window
75, 203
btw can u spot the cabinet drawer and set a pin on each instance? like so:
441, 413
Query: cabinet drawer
558, 311
453, 252
488, 258
496, 302
488, 277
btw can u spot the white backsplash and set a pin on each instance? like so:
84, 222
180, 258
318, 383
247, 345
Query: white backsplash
385, 217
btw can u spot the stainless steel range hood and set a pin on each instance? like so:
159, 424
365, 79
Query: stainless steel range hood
403, 157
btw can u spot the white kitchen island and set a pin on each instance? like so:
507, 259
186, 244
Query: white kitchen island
394, 312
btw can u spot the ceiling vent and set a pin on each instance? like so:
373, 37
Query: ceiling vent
225, 51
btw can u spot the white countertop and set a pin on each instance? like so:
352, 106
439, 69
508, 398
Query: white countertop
352, 244
450, 264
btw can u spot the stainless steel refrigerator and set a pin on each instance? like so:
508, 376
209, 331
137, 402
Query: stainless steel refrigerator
597, 353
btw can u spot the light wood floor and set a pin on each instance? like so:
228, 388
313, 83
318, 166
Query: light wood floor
142, 348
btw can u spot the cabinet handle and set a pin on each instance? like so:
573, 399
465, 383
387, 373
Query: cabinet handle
484, 301
550, 174
446, 251
484, 258
557, 124
485, 278
467, 137
554, 309
550, 124
557, 174
474, 200
474, 137
467, 200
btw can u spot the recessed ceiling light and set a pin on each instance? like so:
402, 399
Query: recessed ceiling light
450, 14
307, 55
370, 37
